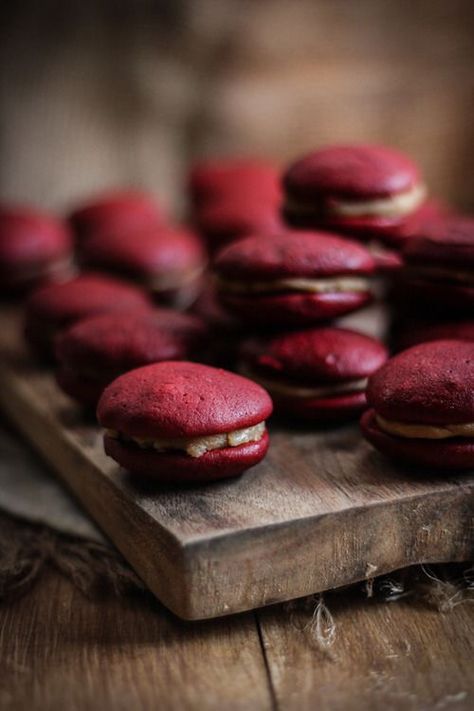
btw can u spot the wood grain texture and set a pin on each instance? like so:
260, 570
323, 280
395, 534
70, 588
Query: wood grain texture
323, 510
400, 656
59, 650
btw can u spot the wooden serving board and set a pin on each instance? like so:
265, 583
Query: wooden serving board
322, 511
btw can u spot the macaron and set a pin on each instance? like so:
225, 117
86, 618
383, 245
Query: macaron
318, 374
225, 221
115, 211
293, 278
169, 262
53, 307
179, 422
439, 267
220, 179
360, 189
34, 247
94, 351
422, 406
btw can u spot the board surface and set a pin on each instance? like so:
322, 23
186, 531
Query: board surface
323, 509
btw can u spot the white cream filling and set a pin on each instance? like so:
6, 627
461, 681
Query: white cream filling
314, 286
413, 431
196, 446
281, 388
392, 206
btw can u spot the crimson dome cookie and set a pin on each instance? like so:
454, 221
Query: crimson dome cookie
34, 247
115, 211
362, 189
168, 262
181, 422
293, 278
96, 350
318, 374
218, 180
51, 308
422, 406
440, 266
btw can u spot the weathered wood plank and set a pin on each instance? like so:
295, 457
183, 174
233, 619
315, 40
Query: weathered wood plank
321, 511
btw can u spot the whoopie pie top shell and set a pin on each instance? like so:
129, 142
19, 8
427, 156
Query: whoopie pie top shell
293, 254
451, 241
149, 251
116, 210
28, 236
217, 179
318, 355
353, 172
432, 383
238, 215
126, 341
181, 399
85, 295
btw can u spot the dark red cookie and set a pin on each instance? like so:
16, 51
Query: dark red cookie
439, 267
168, 262
293, 278
51, 308
318, 374
422, 404
431, 215
222, 222
34, 247
218, 180
96, 350
360, 189
116, 211
179, 422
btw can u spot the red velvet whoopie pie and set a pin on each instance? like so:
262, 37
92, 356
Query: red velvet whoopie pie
94, 351
115, 211
439, 266
167, 261
53, 307
360, 189
293, 278
34, 247
422, 406
218, 180
318, 374
181, 422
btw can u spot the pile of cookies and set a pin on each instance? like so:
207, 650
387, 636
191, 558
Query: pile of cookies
138, 315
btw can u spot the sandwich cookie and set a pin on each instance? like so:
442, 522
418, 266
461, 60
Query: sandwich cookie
293, 278
96, 350
217, 181
34, 247
422, 406
168, 262
181, 422
318, 374
51, 308
360, 189
115, 211
439, 267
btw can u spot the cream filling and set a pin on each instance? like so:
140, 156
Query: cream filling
196, 446
312, 286
442, 273
393, 206
412, 431
280, 388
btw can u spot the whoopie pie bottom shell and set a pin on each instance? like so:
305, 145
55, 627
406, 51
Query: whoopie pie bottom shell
437, 454
330, 409
295, 309
441, 294
83, 390
176, 468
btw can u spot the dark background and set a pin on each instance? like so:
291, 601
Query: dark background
99, 93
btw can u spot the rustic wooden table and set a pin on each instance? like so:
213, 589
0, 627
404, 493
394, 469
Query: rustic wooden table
60, 650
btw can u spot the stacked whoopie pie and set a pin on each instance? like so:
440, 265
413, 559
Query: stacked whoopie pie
285, 268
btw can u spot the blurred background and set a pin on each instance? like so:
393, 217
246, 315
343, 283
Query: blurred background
102, 93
